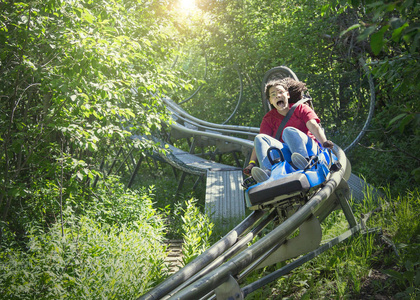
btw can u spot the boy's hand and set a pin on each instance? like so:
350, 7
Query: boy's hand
328, 144
247, 170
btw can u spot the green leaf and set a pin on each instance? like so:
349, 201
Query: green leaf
409, 265
417, 278
92, 146
87, 16
350, 29
365, 34
395, 119
377, 40
324, 9
405, 122
396, 34
394, 274
79, 176
416, 175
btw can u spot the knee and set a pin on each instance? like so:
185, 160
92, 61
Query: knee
290, 132
261, 136
260, 139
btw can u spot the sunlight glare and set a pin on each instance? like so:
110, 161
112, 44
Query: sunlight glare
187, 5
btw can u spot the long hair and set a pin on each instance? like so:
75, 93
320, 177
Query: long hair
295, 88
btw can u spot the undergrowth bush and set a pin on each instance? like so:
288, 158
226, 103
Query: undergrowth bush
90, 261
114, 205
110, 250
400, 219
343, 272
197, 230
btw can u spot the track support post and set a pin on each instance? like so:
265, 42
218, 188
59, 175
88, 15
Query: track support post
343, 194
229, 290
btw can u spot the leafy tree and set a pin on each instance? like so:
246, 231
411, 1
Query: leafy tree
69, 69
324, 42
392, 32
244, 39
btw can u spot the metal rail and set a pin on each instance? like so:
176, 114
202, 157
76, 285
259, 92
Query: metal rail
218, 270
210, 271
205, 258
241, 261
175, 108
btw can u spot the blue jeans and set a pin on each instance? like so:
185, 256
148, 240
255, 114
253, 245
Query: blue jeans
294, 141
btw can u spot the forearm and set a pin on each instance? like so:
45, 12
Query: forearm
253, 157
317, 131
252, 163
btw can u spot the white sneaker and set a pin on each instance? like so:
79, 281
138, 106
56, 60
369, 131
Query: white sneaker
259, 174
299, 161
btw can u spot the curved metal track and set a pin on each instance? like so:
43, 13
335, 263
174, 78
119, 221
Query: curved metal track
231, 258
219, 270
371, 107
179, 113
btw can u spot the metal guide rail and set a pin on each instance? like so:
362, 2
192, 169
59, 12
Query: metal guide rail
219, 271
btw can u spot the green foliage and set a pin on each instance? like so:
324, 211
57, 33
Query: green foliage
108, 246
197, 229
392, 144
87, 260
408, 280
70, 69
345, 271
113, 205
394, 22
400, 219
393, 32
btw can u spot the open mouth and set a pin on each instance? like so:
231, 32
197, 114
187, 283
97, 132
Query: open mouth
280, 102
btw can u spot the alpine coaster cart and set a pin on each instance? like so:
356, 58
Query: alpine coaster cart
293, 199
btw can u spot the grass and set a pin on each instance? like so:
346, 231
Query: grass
113, 248
364, 267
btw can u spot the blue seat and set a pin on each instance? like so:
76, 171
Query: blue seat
285, 182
